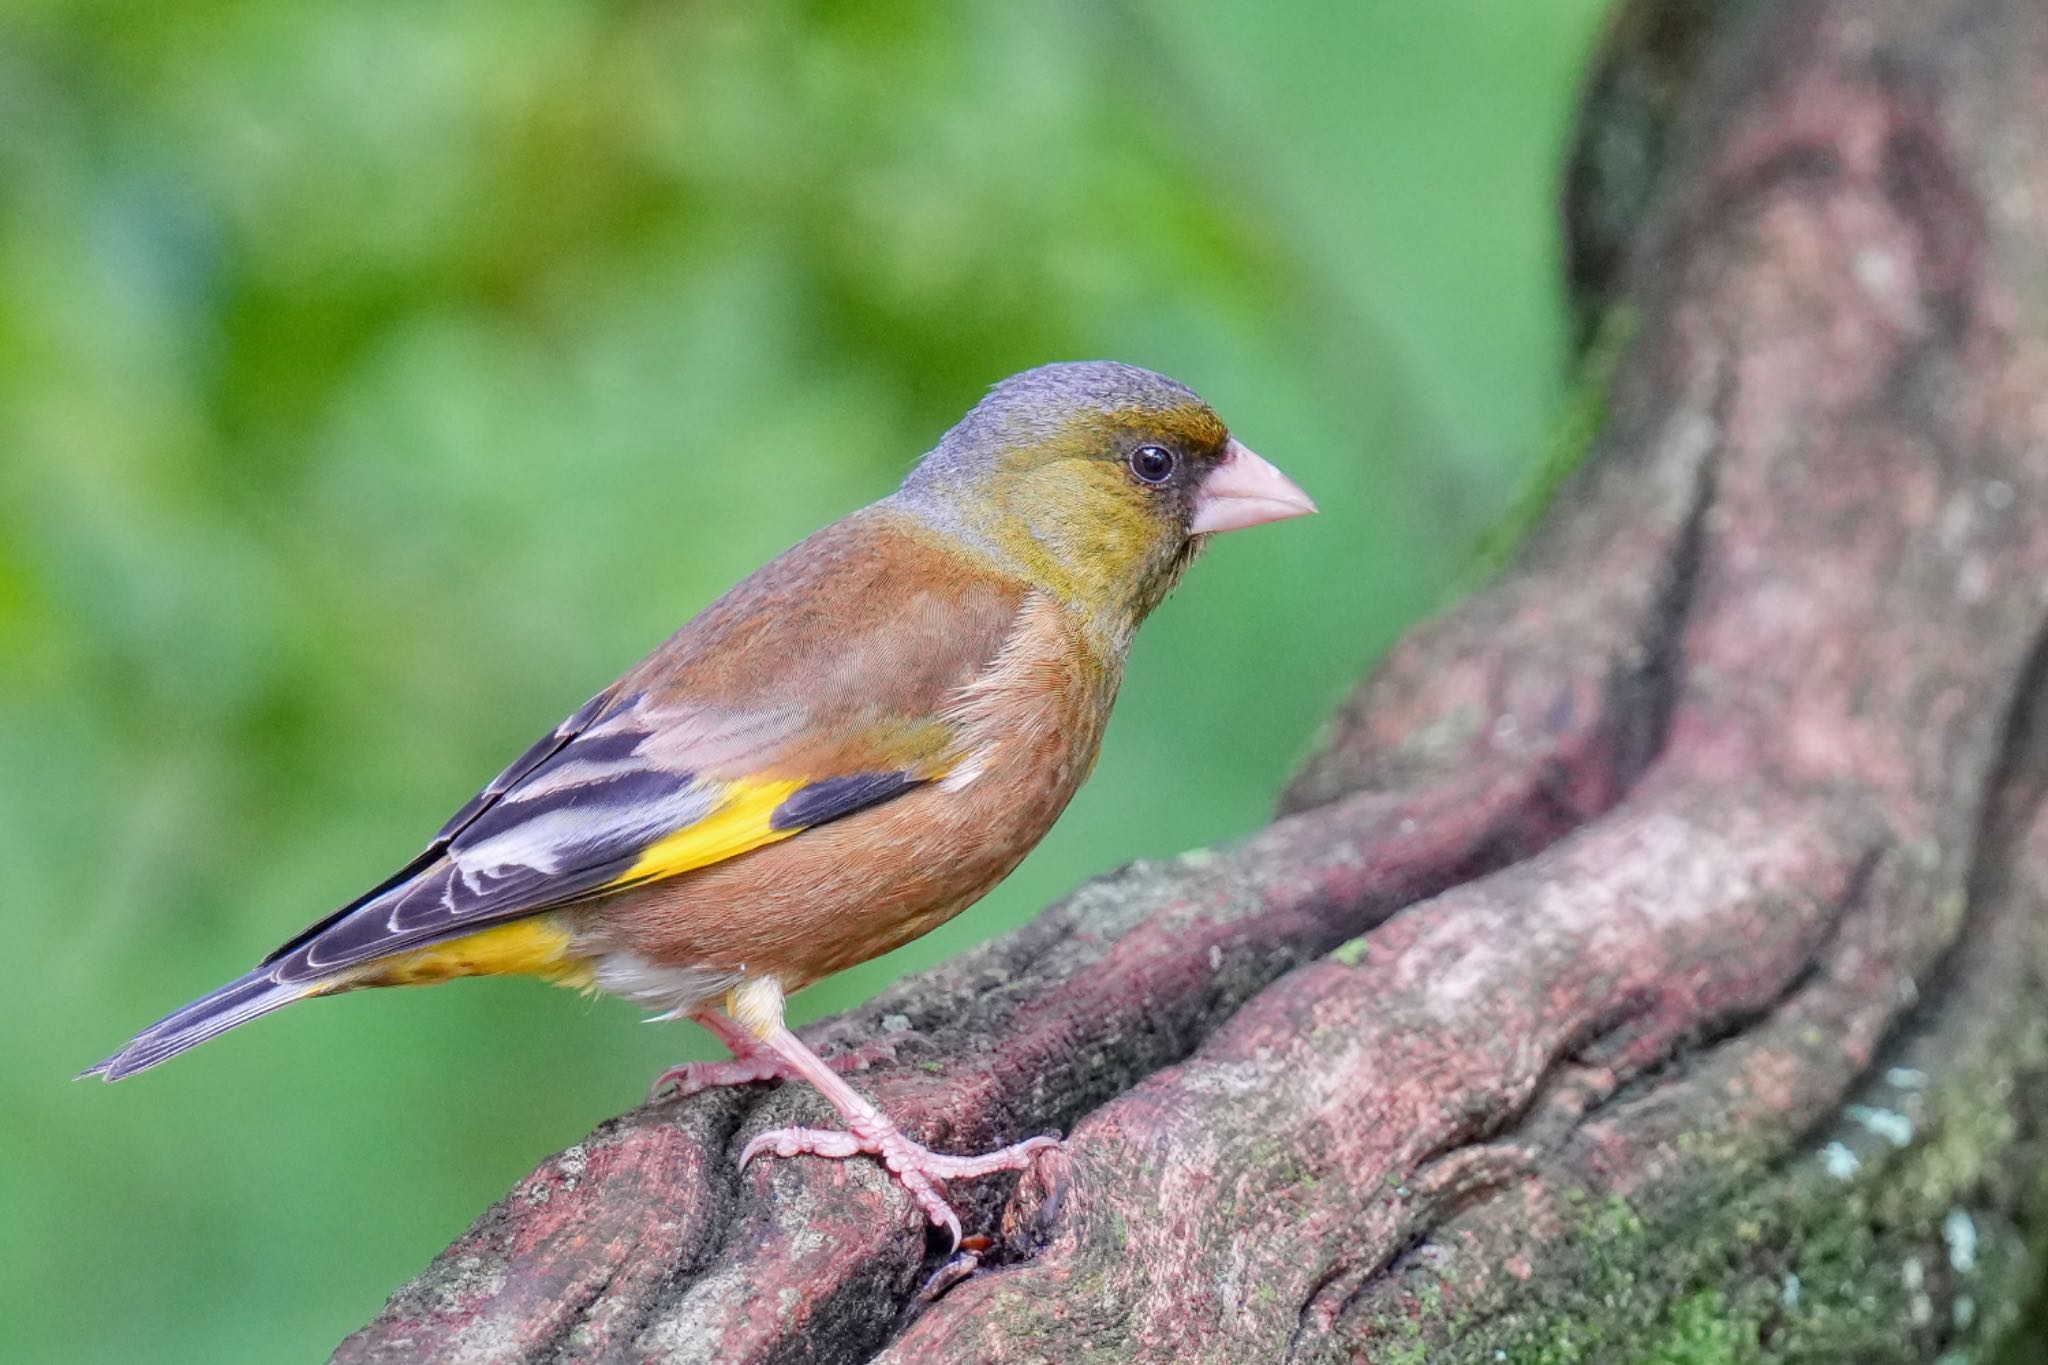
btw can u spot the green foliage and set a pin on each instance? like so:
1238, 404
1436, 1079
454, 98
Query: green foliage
377, 379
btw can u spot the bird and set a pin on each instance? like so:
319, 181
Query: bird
838, 755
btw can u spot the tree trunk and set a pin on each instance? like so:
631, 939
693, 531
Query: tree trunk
1703, 857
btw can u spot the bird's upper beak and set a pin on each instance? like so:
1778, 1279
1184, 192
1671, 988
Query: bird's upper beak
1244, 491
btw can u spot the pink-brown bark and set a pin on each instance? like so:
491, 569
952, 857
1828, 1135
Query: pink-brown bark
1703, 856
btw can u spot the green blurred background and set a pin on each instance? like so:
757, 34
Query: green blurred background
378, 378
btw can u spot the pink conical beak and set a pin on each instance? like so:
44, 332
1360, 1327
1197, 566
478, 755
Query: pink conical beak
1245, 491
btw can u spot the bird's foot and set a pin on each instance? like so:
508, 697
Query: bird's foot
689, 1078
916, 1168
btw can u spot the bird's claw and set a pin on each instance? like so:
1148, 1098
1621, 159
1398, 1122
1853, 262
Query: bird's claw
690, 1078
917, 1168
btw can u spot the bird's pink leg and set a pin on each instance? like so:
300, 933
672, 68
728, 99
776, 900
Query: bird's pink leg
752, 1062
870, 1132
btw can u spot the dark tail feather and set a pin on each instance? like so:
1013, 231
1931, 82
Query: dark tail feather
235, 1003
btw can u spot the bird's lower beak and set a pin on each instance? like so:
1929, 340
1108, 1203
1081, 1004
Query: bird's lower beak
1244, 491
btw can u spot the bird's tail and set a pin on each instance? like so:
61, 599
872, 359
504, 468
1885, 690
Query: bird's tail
238, 1002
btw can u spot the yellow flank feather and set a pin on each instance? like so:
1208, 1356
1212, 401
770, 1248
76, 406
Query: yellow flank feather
743, 823
539, 946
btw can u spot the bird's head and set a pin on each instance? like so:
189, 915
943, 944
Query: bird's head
1099, 481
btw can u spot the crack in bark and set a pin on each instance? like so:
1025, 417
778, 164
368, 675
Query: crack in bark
1494, 1169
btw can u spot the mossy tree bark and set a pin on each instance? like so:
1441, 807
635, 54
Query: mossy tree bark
1651, 965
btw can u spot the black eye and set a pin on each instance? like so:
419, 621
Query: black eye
1153, 464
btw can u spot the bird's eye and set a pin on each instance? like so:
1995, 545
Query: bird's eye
1153, 464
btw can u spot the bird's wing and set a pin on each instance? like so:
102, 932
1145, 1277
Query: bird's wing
815, 689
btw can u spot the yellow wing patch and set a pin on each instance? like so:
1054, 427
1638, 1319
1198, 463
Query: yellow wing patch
744, 822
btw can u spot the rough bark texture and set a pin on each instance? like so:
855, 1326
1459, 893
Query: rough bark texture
1704, 858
